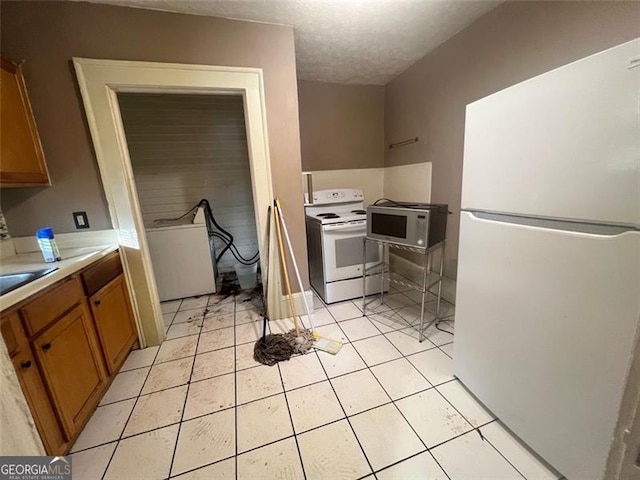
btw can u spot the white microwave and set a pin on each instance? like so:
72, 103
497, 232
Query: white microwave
419, 225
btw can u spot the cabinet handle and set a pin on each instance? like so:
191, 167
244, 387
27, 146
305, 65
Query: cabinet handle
46, 346
26, 364
97, 302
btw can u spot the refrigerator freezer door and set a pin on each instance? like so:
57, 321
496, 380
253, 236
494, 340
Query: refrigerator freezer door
564, 144
545, 326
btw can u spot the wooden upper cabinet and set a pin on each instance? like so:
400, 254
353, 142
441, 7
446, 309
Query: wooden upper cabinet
21, 158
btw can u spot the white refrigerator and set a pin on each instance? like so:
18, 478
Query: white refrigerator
548, 287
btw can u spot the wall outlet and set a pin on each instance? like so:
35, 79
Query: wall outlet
80, 219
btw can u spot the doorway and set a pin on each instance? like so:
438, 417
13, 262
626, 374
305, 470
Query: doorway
100, 83
191, 169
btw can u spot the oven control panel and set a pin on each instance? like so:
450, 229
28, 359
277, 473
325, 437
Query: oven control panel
336, 196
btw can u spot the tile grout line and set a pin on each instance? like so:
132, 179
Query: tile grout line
394, 401
457, 436
235, 390
337, 322
439, 464
293, 428
402, 355
406, 357
422, 452
259, 399
293, 389
297, 388
113, 454
433, 386
284, 438
184, 405
346, 417
137, 398
198, 468
161, 390
497, 450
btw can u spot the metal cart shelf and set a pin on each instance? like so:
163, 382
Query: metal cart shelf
422, 282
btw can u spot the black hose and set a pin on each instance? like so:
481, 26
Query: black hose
209, 214
223, 234
227, 238
234, 251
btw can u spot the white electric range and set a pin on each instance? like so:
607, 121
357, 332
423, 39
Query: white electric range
336, 226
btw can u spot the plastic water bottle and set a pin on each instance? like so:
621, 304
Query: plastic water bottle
48, 245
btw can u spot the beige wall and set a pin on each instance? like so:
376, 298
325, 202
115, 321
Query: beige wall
516, 41
341, 126
48, 34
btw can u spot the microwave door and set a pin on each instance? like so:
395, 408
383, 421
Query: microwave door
389, 225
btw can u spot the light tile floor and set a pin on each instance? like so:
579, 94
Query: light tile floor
386, 406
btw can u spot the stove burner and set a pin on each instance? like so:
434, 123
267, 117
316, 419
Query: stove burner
327, 215
359, 212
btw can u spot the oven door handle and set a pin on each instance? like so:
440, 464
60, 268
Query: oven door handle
342, 228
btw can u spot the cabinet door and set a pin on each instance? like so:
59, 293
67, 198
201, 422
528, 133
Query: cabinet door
72, 367
54, 440
114, 321
21, 158
12, 332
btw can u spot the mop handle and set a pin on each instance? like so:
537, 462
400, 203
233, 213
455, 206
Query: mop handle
295, 264
283, 261
264, 330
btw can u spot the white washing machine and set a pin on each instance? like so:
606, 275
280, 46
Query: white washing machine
183, 259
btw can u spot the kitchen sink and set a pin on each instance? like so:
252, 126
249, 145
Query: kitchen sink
11, 281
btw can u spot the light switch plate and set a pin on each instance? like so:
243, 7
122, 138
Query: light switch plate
81, 220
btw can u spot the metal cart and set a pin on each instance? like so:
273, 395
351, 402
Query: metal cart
423, 282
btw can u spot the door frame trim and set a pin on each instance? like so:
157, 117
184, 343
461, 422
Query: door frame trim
100, 81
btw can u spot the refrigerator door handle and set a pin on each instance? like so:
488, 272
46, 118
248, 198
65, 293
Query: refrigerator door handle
556, 224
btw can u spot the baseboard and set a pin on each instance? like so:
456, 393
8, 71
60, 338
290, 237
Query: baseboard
298, 303
399, 263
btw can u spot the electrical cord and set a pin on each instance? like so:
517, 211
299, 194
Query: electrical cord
180, 217
388, 200
442, 329
412, 205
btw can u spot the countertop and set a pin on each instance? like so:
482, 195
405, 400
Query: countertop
73, 260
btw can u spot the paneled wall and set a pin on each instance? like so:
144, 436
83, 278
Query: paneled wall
184, 148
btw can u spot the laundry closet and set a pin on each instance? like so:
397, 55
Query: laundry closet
189, 153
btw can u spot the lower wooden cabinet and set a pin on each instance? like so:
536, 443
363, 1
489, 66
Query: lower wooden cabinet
113, 317
72, 367
66, 351
54, 439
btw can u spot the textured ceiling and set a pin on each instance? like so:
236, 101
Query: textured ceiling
348, 42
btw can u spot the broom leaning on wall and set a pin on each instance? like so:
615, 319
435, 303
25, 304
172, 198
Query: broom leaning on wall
273, 348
